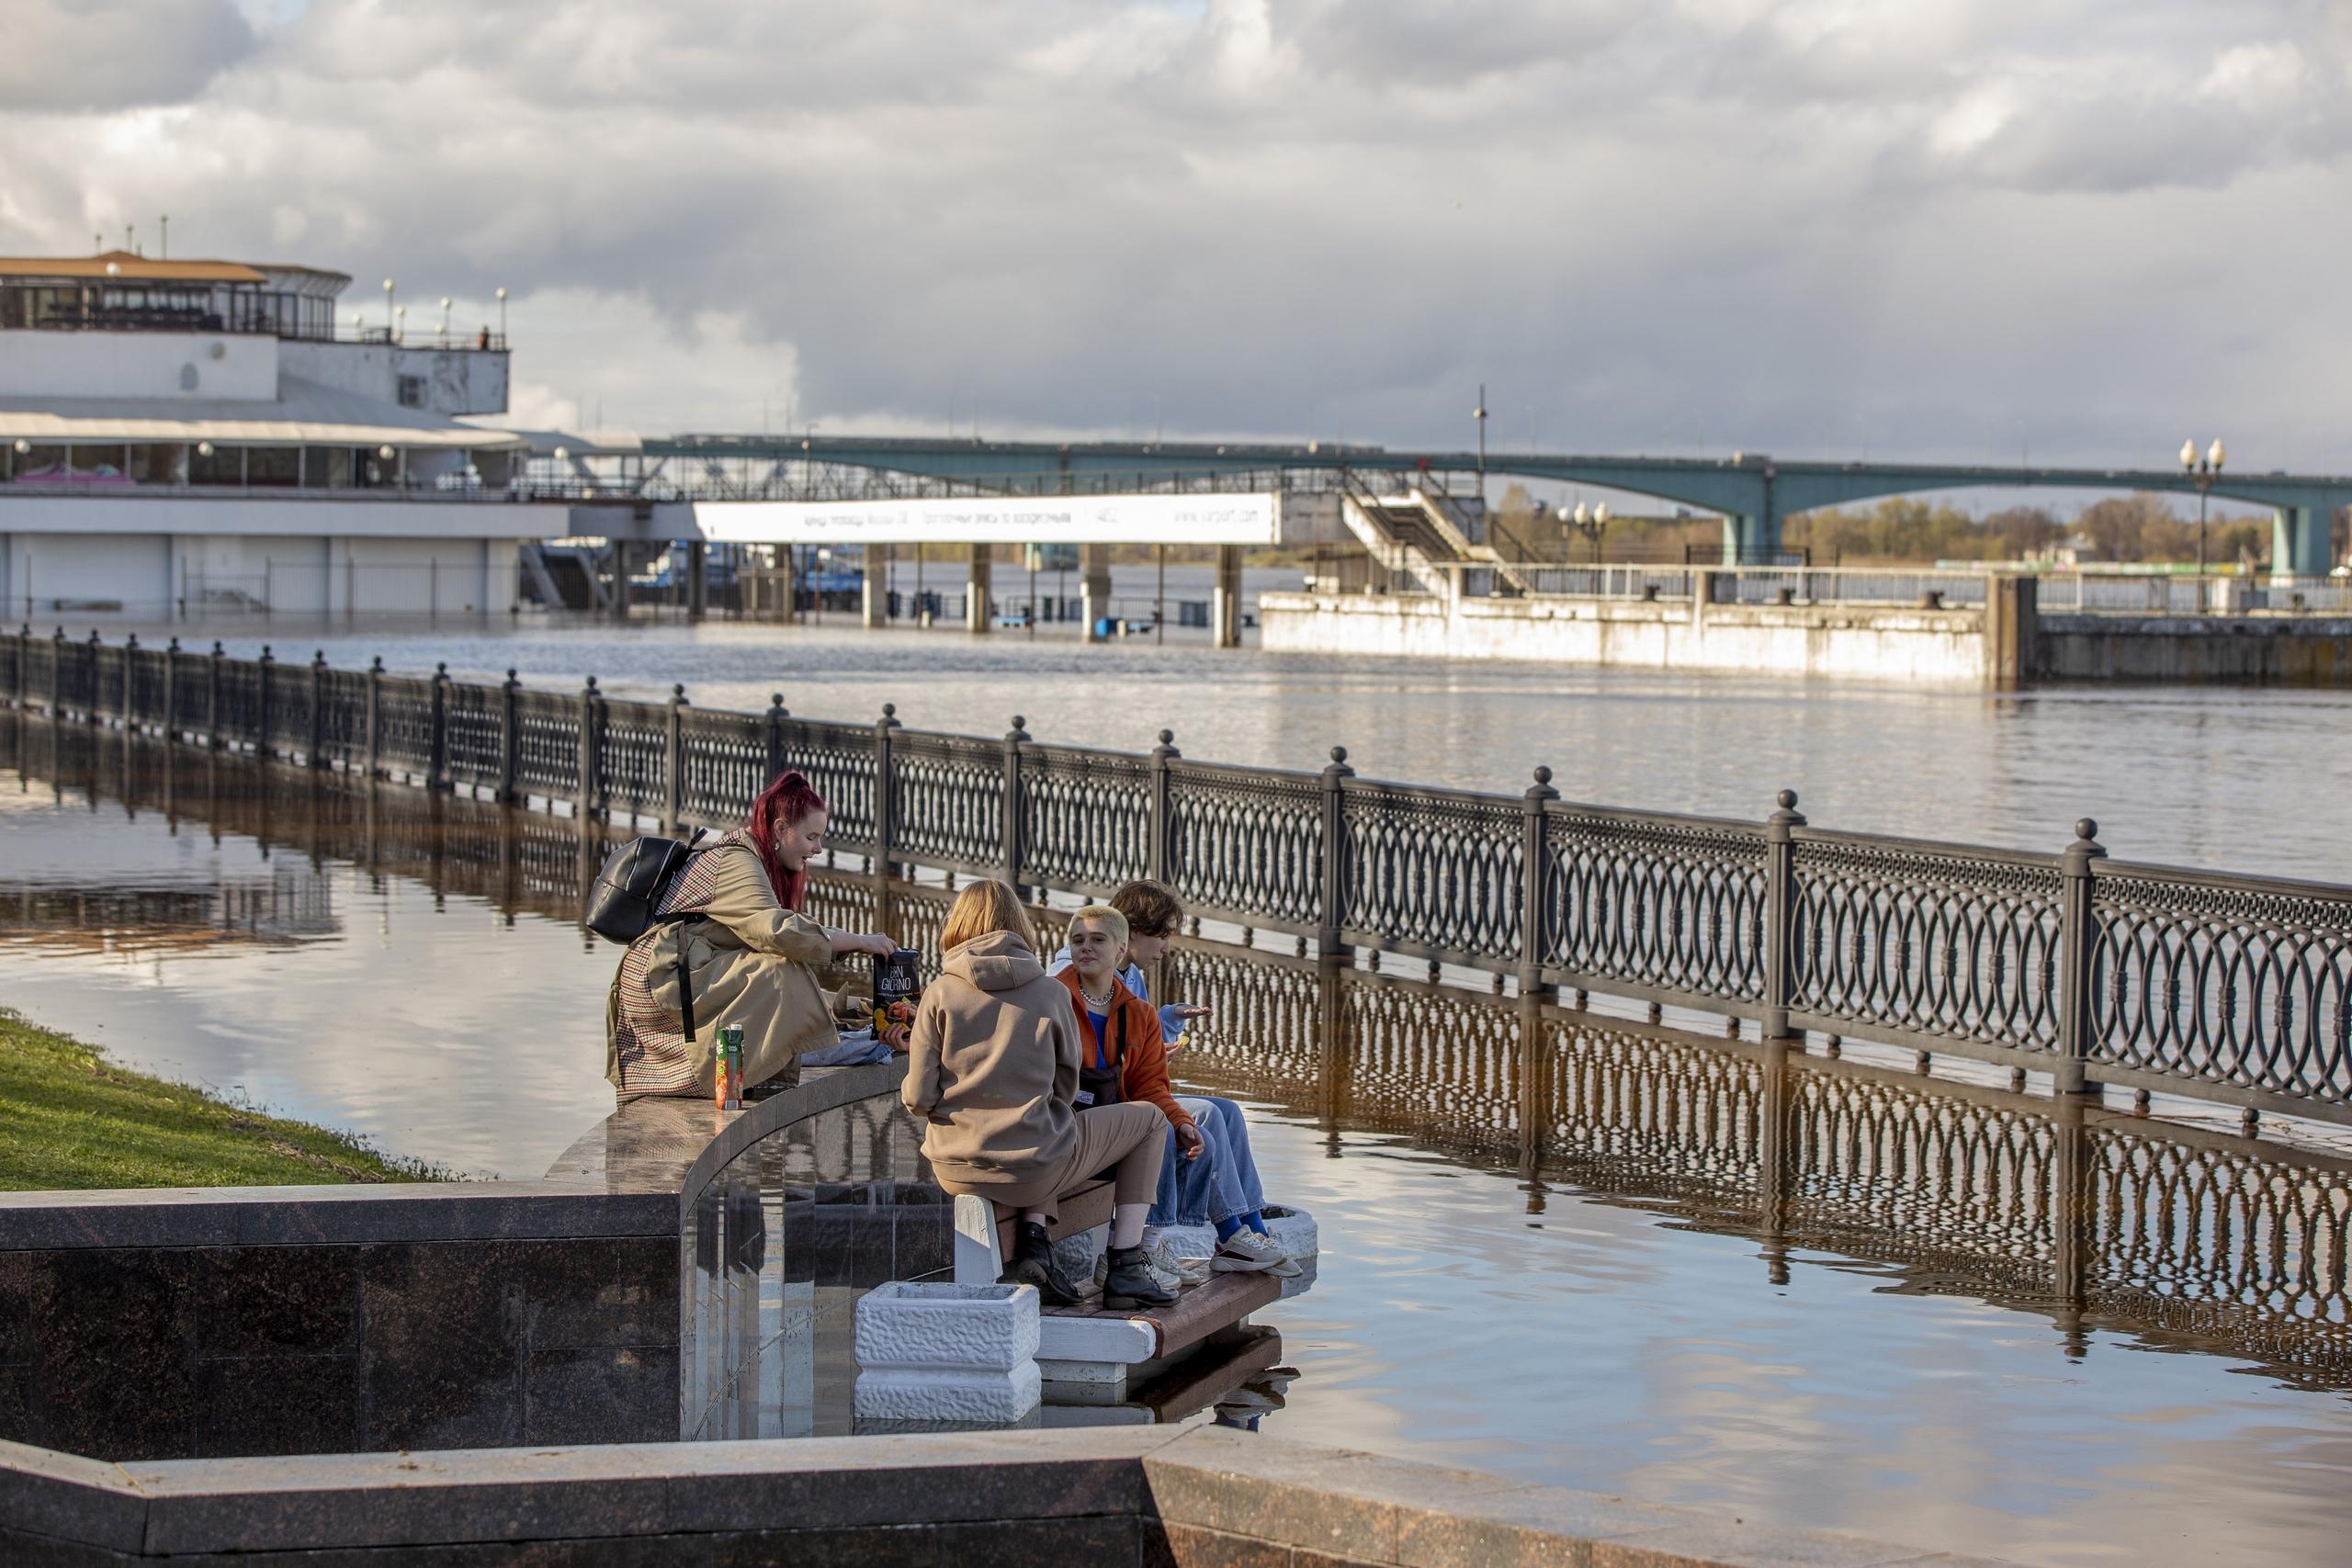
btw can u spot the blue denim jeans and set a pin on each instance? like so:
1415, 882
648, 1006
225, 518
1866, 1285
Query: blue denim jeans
1220, 1184
854, 1052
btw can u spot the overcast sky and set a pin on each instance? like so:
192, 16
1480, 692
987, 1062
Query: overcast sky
1930, 228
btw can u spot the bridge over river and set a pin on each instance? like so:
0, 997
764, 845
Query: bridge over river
716, 479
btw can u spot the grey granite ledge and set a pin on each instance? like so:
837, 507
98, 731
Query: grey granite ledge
1200, 1495
328, 1215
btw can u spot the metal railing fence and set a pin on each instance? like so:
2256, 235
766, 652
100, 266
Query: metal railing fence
2234, 988
2182, 1231
2062, 592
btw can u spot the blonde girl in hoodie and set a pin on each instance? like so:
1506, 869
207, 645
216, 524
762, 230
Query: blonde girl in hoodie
992, 1068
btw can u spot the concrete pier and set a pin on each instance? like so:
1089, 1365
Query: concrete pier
1224, 598
978, 604
1094, 593
875, 602
2007, 642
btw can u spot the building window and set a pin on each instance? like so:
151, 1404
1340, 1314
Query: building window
222, 466
272, 466
412, 391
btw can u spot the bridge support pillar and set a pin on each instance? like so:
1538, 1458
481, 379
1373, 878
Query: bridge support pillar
1224, 598
697, 579
876, 602
1095, 595
2299, 545
977, 601
620, 580
1752, 539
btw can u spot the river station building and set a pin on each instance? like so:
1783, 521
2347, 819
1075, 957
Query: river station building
192, 438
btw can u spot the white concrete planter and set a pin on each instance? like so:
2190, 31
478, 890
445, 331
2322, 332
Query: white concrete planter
946, 1353
937, 1394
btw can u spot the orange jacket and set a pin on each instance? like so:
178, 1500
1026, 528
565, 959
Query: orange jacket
1134, 1042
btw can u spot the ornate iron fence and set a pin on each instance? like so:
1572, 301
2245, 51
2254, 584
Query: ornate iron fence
2231, 989
2188, 1234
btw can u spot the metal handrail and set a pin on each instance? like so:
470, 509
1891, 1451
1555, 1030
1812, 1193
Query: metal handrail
2234, 988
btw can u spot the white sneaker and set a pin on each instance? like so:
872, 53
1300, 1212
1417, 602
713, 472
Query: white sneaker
1246, 1252
1166, 1270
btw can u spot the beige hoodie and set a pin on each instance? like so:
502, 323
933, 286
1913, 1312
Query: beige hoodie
992, 1065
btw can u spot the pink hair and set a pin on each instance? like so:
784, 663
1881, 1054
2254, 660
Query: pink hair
788, 801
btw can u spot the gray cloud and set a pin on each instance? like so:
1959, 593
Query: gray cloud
111, 54
1934, 229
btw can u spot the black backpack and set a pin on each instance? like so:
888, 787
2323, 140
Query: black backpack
625, 900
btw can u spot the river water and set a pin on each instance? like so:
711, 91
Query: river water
1614, 1316
2225, 777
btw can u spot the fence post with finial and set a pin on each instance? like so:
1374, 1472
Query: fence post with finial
268, 663
886, 792
129, 690
1336, 774
372, 722
585, 804
510, 739
2078, 957
673, 761
1163, 806
1534, 873
93, 700
1779, 913
170, 718
436, 767
776, 716
317, 745
212, 699
57, 674
1014, 739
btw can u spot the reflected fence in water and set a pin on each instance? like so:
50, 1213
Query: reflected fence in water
2092, 970
2189, 1239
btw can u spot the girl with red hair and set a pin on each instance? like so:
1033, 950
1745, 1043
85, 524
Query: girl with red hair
732, 932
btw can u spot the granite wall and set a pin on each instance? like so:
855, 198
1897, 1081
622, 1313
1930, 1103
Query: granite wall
316, 1320
1135, 1498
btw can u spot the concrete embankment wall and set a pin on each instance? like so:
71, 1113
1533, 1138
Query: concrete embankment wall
1788, 640
2306, 650
2008, 644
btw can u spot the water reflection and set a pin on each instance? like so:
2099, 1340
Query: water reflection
1578, 1249
2013, 769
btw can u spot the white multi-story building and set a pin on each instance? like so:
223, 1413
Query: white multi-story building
185, 438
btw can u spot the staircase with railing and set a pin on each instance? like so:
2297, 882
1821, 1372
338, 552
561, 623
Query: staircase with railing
1399, 537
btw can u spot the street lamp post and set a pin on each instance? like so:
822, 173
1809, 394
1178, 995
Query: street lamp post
1591, 524
388, 309
1479, 413
502, 315
2202, 471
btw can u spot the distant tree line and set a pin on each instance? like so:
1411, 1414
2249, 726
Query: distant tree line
1903, 531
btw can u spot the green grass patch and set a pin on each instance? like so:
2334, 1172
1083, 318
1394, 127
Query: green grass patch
70, 1119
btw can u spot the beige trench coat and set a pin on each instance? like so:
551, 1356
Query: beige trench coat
753, 962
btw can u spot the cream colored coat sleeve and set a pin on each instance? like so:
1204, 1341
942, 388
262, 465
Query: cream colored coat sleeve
745, 902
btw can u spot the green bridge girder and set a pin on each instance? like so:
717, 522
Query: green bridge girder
1752, 491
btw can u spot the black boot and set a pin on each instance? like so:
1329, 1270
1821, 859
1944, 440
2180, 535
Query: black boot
1033, 1264
1130, 1284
